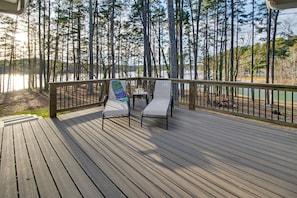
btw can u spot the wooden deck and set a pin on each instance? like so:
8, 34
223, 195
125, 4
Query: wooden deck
200, 155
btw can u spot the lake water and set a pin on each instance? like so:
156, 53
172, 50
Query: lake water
13, 82
19, 82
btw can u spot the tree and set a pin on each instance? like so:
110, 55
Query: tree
253, 42
195, 33
181, 19
91, 32
48, 72
173, 53
273, 45
128, 35
146, 30
112, 39
172, 39
41, 62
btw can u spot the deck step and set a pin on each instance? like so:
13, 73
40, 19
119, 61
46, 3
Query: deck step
6, 121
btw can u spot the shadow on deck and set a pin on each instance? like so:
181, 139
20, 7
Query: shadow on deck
200, 155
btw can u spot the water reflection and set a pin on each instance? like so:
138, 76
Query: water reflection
15, 82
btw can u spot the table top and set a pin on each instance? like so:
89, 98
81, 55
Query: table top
140, 93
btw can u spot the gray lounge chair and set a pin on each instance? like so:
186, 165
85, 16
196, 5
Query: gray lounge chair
162, 99
117, 103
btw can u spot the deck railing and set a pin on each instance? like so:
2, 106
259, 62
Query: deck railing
66, 96
269, 102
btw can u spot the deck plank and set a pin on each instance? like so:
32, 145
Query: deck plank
201, 155
8, 184
82, 181
106, 158
187, 162
152, 181
45, 183
60, 176
94, 172
25, 177
233, 154
172, 169
247, 161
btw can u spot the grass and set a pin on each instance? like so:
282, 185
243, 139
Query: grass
42, 112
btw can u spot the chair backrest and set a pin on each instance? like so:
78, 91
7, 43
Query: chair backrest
111, 94
162, 89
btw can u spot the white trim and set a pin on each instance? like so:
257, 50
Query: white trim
281, 4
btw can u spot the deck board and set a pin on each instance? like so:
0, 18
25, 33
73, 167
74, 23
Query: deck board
181, 155
97, 176
201, 155
109, 150
82, 181
45, 183
243, 157
99, 156
26, 181
144, 166
62, 179
8, 184
167, 156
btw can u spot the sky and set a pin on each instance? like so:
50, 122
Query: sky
289, 17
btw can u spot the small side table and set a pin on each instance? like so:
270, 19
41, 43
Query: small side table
140, 94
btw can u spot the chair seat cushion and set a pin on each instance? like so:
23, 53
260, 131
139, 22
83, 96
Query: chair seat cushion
115, 107
157, 108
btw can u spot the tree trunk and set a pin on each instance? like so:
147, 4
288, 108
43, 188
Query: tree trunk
40, 47
29, 51
56, 48
225, 42
273, 52
78, 70
91, 32
45, 74
147, 57
48, 47
253, 53
172, 41
195, 35
232, 42
112, 39
181, 60
268, 53
273, 46
91, 58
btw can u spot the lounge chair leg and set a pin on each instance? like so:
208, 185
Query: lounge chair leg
141, 121
129, 120
102, 122
171, 104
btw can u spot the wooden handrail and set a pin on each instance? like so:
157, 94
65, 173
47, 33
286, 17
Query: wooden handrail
239, 98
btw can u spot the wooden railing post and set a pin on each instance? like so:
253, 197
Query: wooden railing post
53, 101
106, 87
192, 95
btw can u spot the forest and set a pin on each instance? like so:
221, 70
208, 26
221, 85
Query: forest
231, 40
